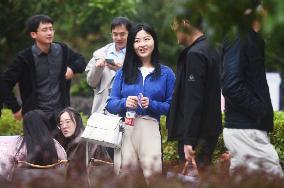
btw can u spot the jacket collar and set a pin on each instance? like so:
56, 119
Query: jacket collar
184, 51
201, 38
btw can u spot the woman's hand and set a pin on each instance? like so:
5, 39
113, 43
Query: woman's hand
132, 102
145, 102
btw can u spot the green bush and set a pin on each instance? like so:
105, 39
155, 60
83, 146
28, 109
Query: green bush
277, 136
277, 139
84, 118
169, 148
9, 126
80, 87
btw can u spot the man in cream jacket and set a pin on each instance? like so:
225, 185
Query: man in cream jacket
106, 61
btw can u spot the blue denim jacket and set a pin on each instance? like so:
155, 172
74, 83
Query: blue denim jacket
158, 90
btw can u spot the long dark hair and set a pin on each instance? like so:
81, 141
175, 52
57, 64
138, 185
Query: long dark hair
76, 119
132, 62
40, 145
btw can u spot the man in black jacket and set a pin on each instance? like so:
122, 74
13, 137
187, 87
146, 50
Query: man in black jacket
195, 114
248, 108
43, 71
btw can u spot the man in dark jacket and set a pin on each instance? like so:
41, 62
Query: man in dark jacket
248, 108
195, 114
43, 71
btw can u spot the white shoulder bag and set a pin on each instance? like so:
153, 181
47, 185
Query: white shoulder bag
104, 130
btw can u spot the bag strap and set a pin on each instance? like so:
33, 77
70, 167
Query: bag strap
185, 168
87, 153
189, 167
104, 110
19, 144
98, 161
43, 166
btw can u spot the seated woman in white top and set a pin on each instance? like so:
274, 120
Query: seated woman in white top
36, 146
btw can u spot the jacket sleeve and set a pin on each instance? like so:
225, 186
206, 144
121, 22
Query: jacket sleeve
234, 86
10, 77
162, 107
76, 62
116, 103
195, 78
94, 74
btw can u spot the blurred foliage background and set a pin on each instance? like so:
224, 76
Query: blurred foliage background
85, 25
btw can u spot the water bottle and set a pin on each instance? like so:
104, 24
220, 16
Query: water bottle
130, 117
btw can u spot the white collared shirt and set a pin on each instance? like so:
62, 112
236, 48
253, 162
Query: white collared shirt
113, 54
146, 71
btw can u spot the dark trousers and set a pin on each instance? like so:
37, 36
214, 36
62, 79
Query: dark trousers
204, 150
181, 150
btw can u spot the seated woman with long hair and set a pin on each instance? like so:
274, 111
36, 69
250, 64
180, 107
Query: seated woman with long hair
71, 127
36, 146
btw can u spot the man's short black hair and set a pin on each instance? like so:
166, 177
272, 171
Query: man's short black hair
34, 21
194, 17
118, 21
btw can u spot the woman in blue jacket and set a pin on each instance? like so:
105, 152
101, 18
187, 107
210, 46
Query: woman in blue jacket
142, 87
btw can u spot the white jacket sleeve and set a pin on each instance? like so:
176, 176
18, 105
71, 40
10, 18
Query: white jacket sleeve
94, 74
